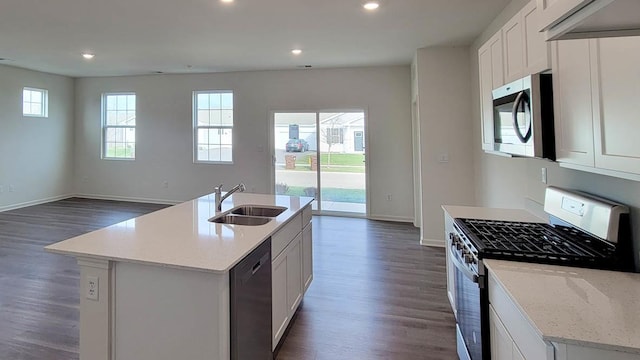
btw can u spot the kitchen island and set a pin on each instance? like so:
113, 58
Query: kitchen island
157, 286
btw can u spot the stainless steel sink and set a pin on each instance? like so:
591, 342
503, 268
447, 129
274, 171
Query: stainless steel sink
259, 210
240, 220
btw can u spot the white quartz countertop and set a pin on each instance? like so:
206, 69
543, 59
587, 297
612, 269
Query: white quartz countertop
181, 235
472, 212
586, 307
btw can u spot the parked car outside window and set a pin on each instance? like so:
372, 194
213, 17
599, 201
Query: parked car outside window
297, 145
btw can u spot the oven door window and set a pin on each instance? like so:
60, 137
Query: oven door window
512, 118
469, 310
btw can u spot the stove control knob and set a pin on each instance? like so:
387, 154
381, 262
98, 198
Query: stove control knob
468, 259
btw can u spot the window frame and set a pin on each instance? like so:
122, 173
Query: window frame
44, 95
105, 127
196, 126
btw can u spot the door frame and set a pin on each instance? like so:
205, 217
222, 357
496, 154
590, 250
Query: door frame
272, 150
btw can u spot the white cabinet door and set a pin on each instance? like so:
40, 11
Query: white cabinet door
501, 341
307, 256
451, 286
617, 110
537, 51
294, 274
552, 11
279, 306
572, 102
490, 77
513, 49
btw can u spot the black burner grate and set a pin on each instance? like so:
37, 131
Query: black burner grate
535, 242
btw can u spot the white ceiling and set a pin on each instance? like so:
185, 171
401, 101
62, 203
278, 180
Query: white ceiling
180, 36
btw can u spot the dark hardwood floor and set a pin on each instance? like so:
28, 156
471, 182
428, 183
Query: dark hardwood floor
376, 293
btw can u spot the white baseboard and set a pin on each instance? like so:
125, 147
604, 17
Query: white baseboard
432, 242
34, 202
391, 218
128, 199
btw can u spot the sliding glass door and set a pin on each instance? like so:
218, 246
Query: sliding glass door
322, 155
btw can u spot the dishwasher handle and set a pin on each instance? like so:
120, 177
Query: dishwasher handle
254, 269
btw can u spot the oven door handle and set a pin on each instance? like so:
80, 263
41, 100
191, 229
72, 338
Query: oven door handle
457, 262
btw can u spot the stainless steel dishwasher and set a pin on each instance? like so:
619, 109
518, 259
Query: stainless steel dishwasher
250, 295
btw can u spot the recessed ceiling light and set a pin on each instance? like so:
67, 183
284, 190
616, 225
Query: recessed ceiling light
296, 51
226, 1
88, 56
371, 5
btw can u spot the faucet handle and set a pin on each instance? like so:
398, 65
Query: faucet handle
242, 187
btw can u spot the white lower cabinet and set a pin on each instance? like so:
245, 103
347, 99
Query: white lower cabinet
291, 271
307, 256
512, 336
502, 345
294, 274
451, 286
280, 310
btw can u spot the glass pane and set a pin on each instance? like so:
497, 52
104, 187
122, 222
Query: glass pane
131, 102
214, 101
215, 117
214, 136
342, 162
111, 102
26, 108
131, 118
203, 117
26, 95
202, 101
121, 117
121, 102
296, 155
225, 153
36, 109
227, 101
203, 153
203, 137
226, 117
226, 137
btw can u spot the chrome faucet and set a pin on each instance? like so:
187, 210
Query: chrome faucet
219, 198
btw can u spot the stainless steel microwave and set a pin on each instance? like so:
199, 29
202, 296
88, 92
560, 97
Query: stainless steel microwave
523, 117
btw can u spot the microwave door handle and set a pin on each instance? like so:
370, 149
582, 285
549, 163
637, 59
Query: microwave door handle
520, 99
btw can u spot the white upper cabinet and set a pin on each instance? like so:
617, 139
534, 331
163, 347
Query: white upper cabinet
513, 49
525, 49
616, 62
490, 77
537, 51
573, 121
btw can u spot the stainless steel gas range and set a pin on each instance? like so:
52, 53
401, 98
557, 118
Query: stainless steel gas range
584, 231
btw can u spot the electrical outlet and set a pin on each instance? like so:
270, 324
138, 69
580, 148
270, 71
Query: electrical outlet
11, 188
543, 175
165, 184
92, 288
443, 157
388, 197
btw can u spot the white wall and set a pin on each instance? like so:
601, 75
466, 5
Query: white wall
164, 131
444, 106
36, 154
515, 183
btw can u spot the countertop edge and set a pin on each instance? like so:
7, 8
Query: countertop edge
51, 248
551, 338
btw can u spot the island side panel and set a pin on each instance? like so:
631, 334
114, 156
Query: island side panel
96, 315
167, 313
